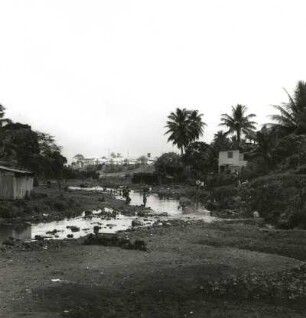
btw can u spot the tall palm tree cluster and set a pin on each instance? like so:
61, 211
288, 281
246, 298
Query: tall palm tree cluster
186, 126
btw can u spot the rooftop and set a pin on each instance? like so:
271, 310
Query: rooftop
17, 171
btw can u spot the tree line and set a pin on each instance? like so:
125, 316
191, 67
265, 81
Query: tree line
279, 145
21, 147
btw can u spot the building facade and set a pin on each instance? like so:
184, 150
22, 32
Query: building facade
231, 161
15, 184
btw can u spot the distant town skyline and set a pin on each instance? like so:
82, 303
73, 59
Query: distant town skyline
104, 75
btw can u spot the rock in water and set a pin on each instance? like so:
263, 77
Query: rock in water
137, 222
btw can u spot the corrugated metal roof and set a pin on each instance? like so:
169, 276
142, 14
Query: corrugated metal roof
3, 168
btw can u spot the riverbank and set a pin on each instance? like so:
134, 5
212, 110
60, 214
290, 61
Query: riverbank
188, 268
54, 204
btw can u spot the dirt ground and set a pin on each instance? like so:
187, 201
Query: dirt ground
190, 269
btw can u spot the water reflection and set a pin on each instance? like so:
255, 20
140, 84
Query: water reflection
107, 224
60, 229
156, 203
84, 224
19, 231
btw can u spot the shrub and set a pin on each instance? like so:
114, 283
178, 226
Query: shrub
274, 195
38, 195
5, 212
220, 180
194, 194
147, 178
225, 197
298, 219
59, 206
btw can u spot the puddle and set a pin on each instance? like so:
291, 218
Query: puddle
82, 226
78, 227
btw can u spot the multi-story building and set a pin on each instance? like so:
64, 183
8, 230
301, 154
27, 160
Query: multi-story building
80, 162
231, 160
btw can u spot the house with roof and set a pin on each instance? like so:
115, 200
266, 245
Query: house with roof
231, 161
15, 184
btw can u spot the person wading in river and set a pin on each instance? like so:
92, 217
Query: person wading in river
126, 195
145, 195
144, 198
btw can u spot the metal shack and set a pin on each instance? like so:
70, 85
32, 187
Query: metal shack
15, 184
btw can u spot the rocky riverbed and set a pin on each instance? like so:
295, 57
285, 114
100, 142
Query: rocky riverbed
179, 268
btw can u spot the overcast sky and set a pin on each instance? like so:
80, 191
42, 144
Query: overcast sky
102, 76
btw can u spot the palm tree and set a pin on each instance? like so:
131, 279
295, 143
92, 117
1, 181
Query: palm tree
184, 127
196, 124
238, 122
292, 115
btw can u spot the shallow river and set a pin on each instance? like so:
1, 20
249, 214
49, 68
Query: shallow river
107, 224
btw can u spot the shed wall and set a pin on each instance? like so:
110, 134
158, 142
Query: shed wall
7, 185
22, 186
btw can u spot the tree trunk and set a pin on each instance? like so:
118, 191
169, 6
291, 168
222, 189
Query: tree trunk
238, 137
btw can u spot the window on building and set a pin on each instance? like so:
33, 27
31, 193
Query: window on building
230, 154
241, 157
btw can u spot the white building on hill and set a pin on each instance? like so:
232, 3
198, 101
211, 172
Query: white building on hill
80, 162
231, 160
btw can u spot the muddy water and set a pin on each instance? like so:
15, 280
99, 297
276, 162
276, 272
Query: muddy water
84, 226
154, 202
108, 224
19, 231
158, 205
61, 229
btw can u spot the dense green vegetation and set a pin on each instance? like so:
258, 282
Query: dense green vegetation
273, 183
24, 148
276, 173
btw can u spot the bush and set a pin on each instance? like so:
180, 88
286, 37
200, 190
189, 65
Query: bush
290, 152
6, 212
225, 197
38, 195
220, 180
59, 206
147, 178
275, 195
194, 194
255, 168
298, 219
170, 168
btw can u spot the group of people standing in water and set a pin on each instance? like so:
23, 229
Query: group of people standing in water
126, 194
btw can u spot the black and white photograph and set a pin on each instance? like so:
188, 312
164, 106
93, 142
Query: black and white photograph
152, 159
